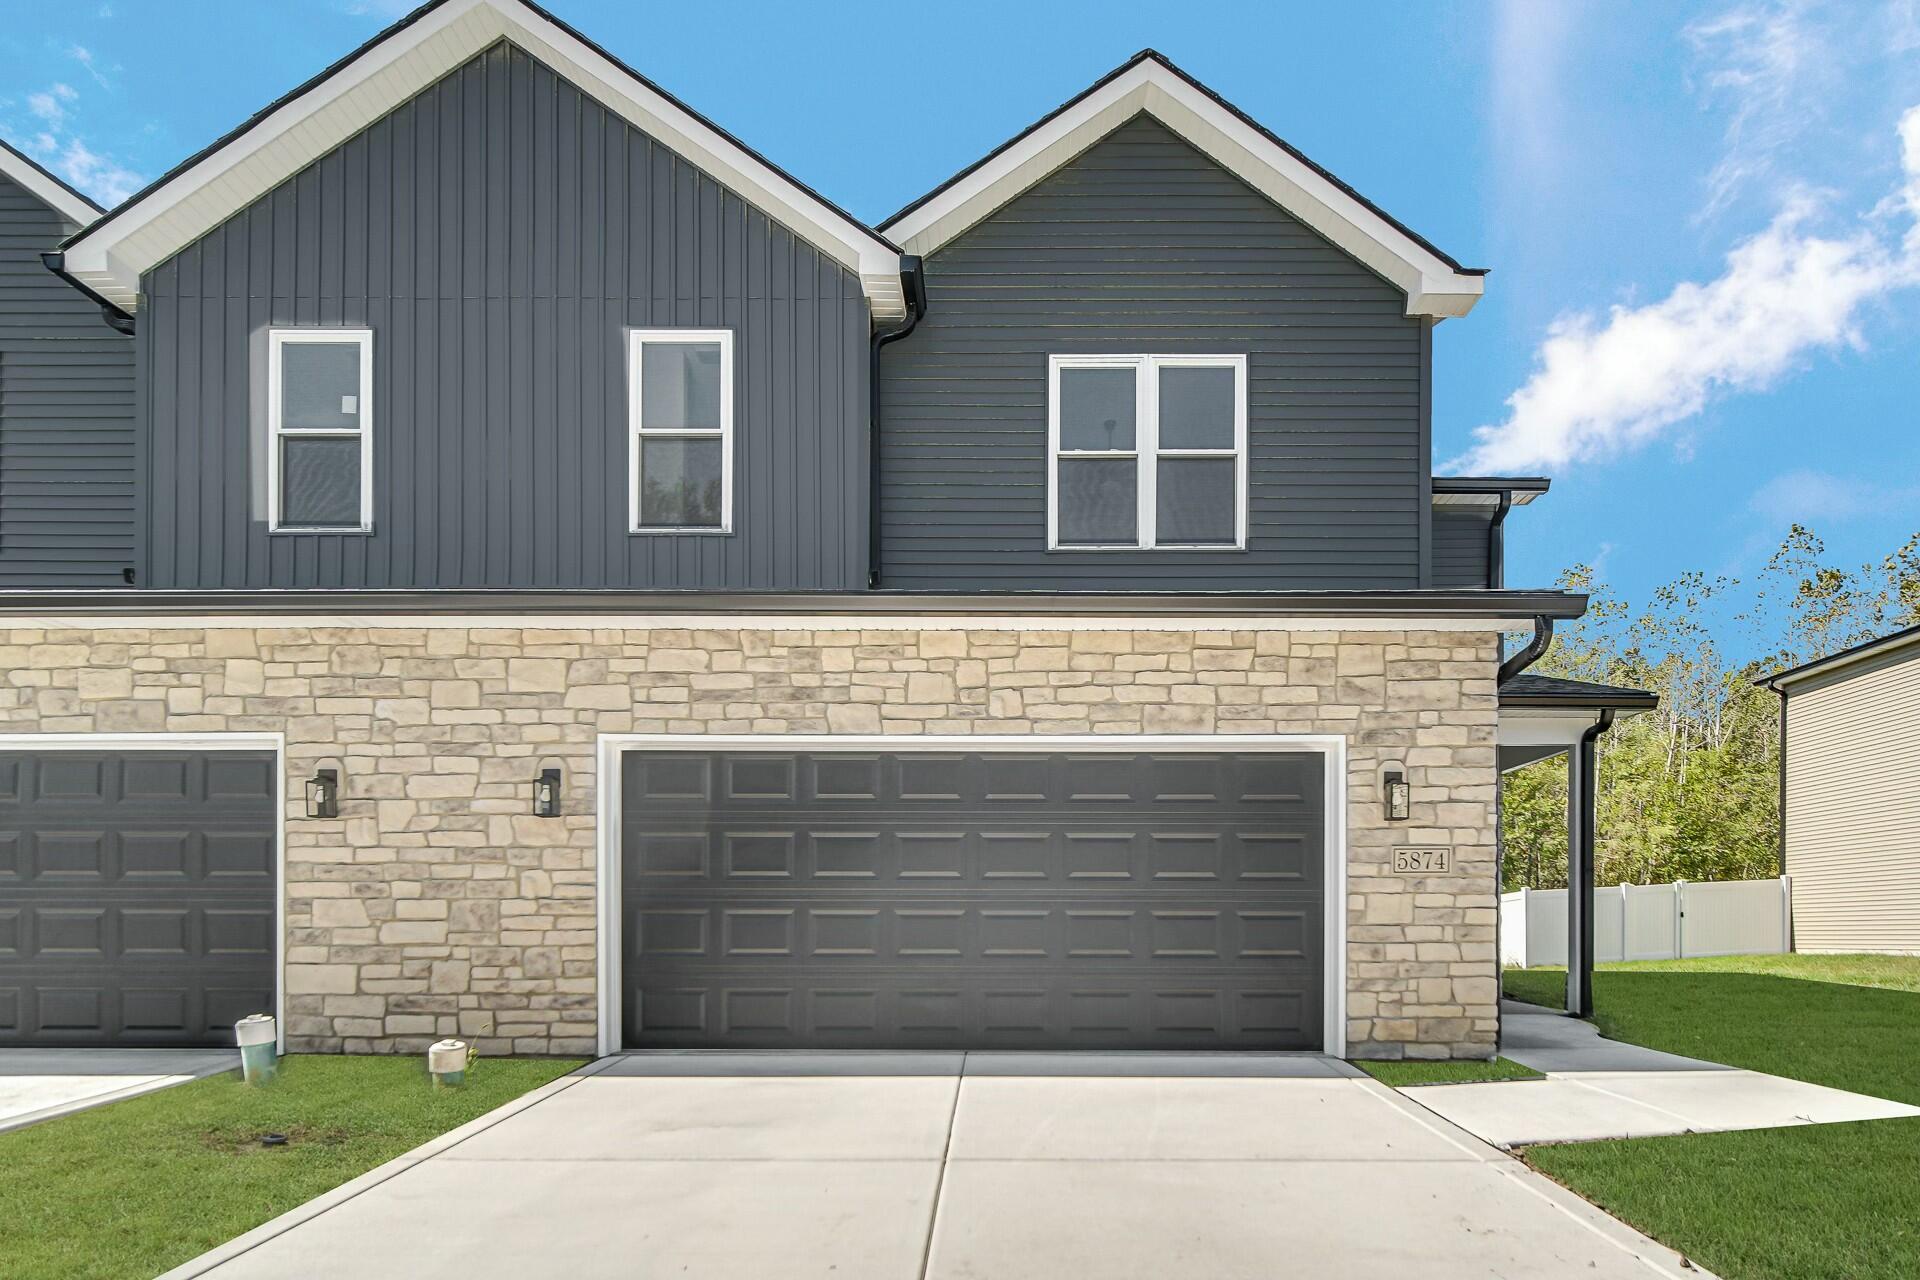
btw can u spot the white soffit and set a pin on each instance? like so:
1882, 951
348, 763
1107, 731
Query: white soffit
1521, 498
111, 258
1434, 287
46, 188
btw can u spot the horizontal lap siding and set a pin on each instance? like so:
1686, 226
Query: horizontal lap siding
1460, 547
1143, 244
66, 416
498, 234
1853, 811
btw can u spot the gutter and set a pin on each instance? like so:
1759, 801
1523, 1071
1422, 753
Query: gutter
1495, 608
116, 319
913, 282
1536, 648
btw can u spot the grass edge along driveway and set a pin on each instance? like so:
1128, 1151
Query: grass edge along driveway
1821, 1202
134, 1188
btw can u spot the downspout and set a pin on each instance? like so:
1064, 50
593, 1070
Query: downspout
1580, 973
116, 319
1513, 666
1497, 542
913, 284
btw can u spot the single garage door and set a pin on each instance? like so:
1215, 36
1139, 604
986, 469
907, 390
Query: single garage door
136, 896
1097, 900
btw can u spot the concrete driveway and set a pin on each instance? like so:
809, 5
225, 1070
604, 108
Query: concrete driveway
39, 1084
1001, 1166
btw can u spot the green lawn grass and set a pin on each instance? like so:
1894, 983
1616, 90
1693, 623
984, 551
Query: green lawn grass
1823, 1202
1402, 1075
129, 1190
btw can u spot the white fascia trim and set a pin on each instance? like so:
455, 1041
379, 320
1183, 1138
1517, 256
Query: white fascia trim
274, 742
74, 208
1433, 288
756, 622
399, 66
609, 980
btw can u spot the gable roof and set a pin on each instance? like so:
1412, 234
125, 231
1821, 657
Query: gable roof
282, 139
1895, 644
1434, 283
46, 186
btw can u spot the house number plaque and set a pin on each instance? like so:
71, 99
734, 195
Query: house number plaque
1423, 862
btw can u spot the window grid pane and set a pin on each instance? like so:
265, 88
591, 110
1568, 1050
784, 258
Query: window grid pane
680, 482
1195, 501
320, 386
680, 386
1098, 502
320, 481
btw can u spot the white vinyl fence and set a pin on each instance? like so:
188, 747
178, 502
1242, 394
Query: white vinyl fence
1653, 921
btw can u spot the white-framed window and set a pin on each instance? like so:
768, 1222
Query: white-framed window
680, 441
320, 430
1146, 452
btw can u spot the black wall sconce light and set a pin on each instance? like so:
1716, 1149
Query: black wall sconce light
323, 794
1399, 796
546, 794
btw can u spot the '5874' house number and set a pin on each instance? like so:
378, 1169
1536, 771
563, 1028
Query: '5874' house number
1423, 862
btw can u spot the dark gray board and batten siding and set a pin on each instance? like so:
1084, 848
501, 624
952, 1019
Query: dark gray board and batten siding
67, 516
499, 233
1143, 245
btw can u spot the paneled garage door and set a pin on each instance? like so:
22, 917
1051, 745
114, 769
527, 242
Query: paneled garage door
1113, 900
136, 896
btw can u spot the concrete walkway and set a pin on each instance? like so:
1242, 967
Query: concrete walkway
1005, 1167
39, 1084
1598, 1088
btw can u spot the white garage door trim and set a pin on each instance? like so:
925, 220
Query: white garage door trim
1333, 1036
274, 742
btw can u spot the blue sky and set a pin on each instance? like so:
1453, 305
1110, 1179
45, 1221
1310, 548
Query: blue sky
1705, 302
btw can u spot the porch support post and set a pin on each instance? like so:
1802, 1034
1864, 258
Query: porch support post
1581, 779
1579, 1000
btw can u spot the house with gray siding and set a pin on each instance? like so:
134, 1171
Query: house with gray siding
485, 553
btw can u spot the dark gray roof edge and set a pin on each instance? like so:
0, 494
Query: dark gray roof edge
1891, 640
1530, 690
392, 29
1154, 55
52, 177
1491, 484
111, 602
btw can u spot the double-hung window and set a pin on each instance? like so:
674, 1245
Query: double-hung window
680, 447
320, 430
1147, 452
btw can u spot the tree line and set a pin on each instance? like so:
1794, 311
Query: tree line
1691, 791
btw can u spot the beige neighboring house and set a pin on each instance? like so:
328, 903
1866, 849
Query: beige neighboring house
1850, 796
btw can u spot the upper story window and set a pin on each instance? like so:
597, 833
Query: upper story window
680, 447
320, 430
1147, 452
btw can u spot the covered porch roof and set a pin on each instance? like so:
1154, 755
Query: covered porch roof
1542, 716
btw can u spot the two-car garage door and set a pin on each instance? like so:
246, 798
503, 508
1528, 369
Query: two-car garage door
136, 896
1018, 900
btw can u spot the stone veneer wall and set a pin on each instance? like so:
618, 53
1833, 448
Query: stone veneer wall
436, 905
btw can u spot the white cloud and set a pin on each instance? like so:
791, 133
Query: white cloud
84, 56
51, 104
1808, 497
103, 179
1774, 66
1605, 385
